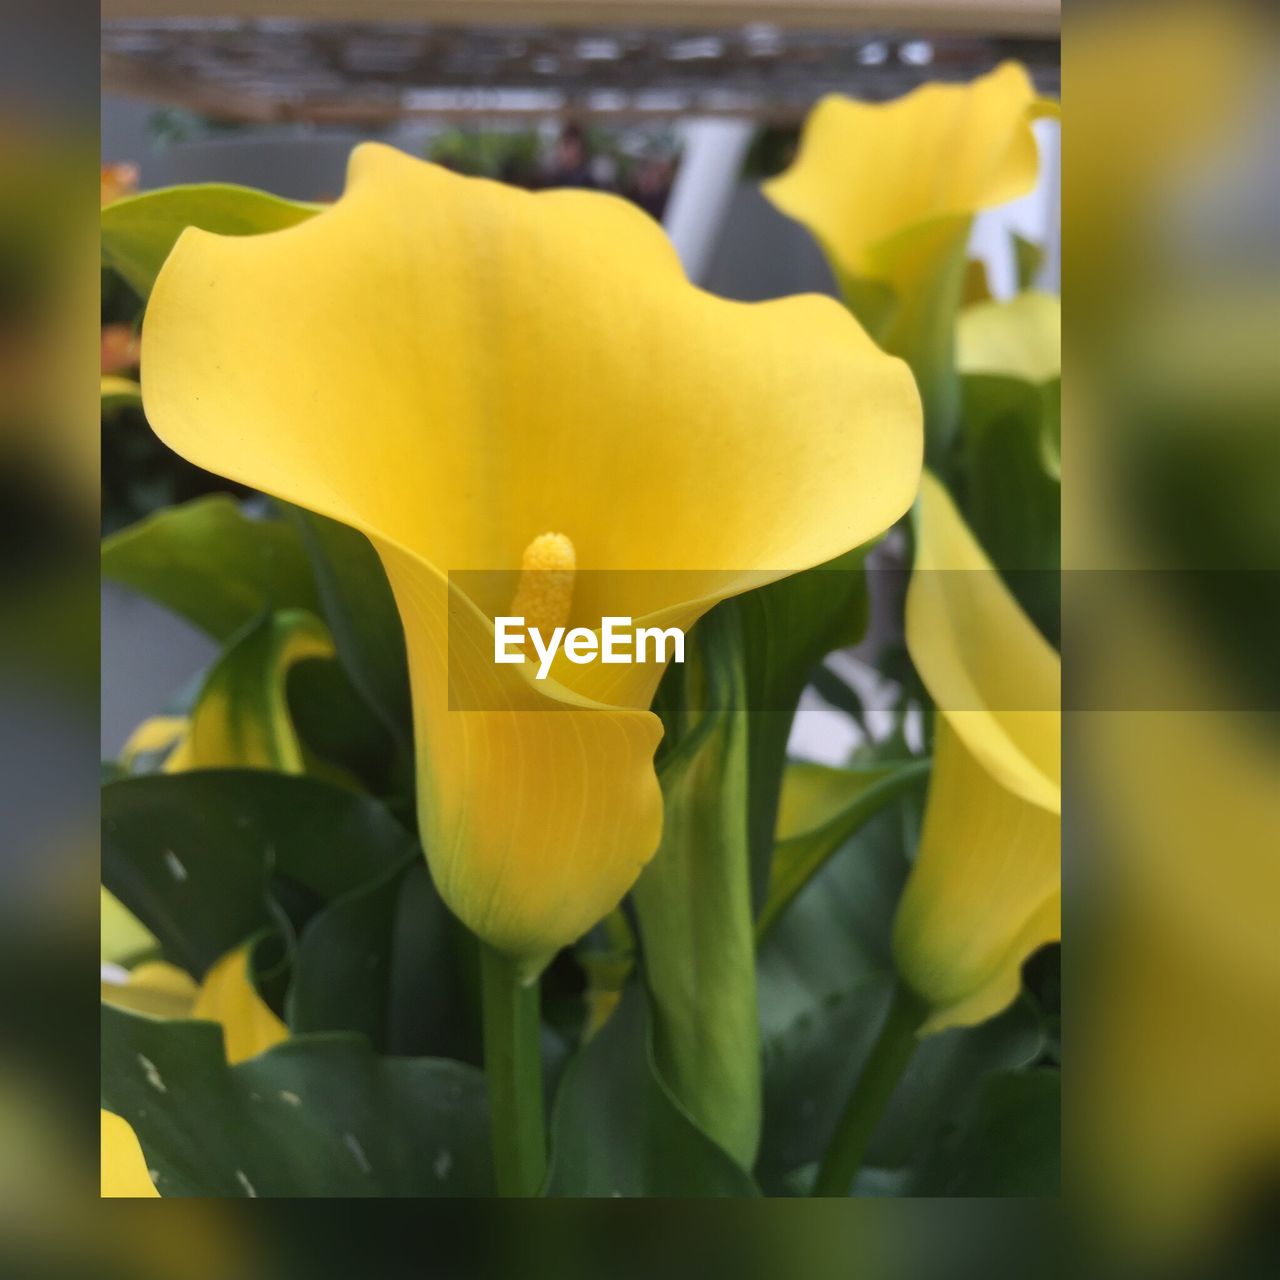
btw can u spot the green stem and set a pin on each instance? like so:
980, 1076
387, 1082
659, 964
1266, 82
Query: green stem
513, 1068
890, 1055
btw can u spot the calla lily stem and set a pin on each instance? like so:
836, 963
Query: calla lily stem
893, 1050
513, 1068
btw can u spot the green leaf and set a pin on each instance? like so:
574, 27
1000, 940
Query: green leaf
316, 1116
836, 693
821, 808
787, 628
213, 565
946, 1076
1028, 257
361, 612
1012, 491
1012, 1146
910, 309
384, 960
139, 232
693, 902
195, 855
342, 965
837, 930
1051, 435
618, 1131
342, 736
812, 1067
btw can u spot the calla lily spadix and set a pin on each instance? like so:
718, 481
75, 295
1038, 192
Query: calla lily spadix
985, 890
460, 369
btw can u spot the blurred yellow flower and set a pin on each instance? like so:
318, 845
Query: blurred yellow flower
1020, 337
890, 191
457, 368
1186, 815
124, 1167
985, 891
226, 996
120, 933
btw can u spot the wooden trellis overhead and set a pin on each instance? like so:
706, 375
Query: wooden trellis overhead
984, 17
372, 72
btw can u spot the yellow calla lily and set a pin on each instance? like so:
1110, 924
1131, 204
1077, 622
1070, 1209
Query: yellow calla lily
124, 1167
226, 996
985, 890
1020, 337
241, 716
457, 368
890, 190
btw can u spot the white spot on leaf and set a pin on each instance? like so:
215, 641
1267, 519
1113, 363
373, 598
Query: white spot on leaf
176, 869
153, 1076
243, 1180
357, 1152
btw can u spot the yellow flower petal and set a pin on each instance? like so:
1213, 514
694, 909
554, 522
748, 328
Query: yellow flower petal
120, 933
983, 894
1018, 338
124, 1167
985, 889
455, 368
993, 676
157, 733
155, 988
227, 996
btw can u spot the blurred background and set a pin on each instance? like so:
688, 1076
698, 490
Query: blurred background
682, 108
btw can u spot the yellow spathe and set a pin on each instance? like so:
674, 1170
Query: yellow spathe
124, 1167
985, 890
867, 172
1017, 338
455, 367
226, 996
890, 191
